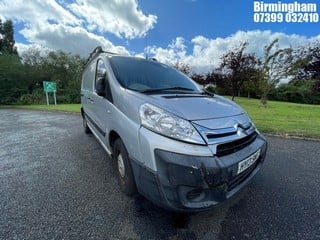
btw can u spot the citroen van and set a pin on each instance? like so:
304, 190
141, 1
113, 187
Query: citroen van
182, 148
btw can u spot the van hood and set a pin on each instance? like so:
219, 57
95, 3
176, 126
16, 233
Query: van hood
196, 107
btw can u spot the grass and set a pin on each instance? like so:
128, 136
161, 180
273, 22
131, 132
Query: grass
75, 108
284, 118
281, 118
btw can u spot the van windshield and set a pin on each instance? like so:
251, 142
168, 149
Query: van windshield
150, 77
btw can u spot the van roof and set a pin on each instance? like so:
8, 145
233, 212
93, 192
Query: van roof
97, 51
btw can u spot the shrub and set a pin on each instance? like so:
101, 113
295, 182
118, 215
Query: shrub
37, 97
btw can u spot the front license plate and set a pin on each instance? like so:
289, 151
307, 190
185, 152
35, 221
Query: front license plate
243, 165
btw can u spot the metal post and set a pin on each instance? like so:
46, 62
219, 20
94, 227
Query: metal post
55, 99
47, 98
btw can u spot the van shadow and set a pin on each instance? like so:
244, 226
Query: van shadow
153, 222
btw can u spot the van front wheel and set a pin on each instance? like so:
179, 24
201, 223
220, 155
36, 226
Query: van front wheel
121, 161
85, 125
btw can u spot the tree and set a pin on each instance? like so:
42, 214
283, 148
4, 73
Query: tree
33, 60
21, 79
307, 62
11, 69
65, 69
199, 78
238, 66
275, 66
7, 38
1, 35
306, 65
183, 67
33, 56
251, 85
12, 85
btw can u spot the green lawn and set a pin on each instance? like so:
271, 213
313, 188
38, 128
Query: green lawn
278, 118
284, 118
60, 107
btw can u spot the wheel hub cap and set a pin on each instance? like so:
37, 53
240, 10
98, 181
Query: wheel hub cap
121, 168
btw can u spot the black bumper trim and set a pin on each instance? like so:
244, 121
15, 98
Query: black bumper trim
194, 183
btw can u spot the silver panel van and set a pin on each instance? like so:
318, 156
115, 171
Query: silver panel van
179, 146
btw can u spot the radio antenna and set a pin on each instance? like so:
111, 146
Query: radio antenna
146, 46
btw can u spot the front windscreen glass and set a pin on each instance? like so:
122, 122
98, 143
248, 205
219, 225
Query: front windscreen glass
150, 77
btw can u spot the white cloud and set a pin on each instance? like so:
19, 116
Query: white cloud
70, 27
79, 27
176, 51
36, 11
205, 53
120, 17
71, 39
178, 43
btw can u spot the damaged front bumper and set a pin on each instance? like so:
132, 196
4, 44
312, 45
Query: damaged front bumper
189, 183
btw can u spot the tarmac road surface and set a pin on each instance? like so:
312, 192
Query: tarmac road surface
57, 183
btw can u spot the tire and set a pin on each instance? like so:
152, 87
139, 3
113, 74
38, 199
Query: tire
123, 168
85, 125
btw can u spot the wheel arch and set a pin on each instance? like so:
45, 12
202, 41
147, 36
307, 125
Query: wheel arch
82, 112
113, 136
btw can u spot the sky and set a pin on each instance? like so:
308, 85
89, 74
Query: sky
195, 32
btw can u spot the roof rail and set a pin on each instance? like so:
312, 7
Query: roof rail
95, 52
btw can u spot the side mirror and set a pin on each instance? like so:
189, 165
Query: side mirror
209, 90
100, 86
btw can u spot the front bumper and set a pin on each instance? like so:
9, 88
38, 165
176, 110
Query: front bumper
184, 182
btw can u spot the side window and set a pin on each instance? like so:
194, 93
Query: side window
101, 72
88, 77
101, 69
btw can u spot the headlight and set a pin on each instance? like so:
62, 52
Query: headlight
165, 123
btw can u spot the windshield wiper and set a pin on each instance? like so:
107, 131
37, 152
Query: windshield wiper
159, 90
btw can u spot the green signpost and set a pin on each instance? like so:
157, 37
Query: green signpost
50, 87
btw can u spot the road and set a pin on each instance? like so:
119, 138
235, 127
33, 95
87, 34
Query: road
57, 183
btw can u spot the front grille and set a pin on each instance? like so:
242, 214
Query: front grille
220, 135
241, 177
231, 147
